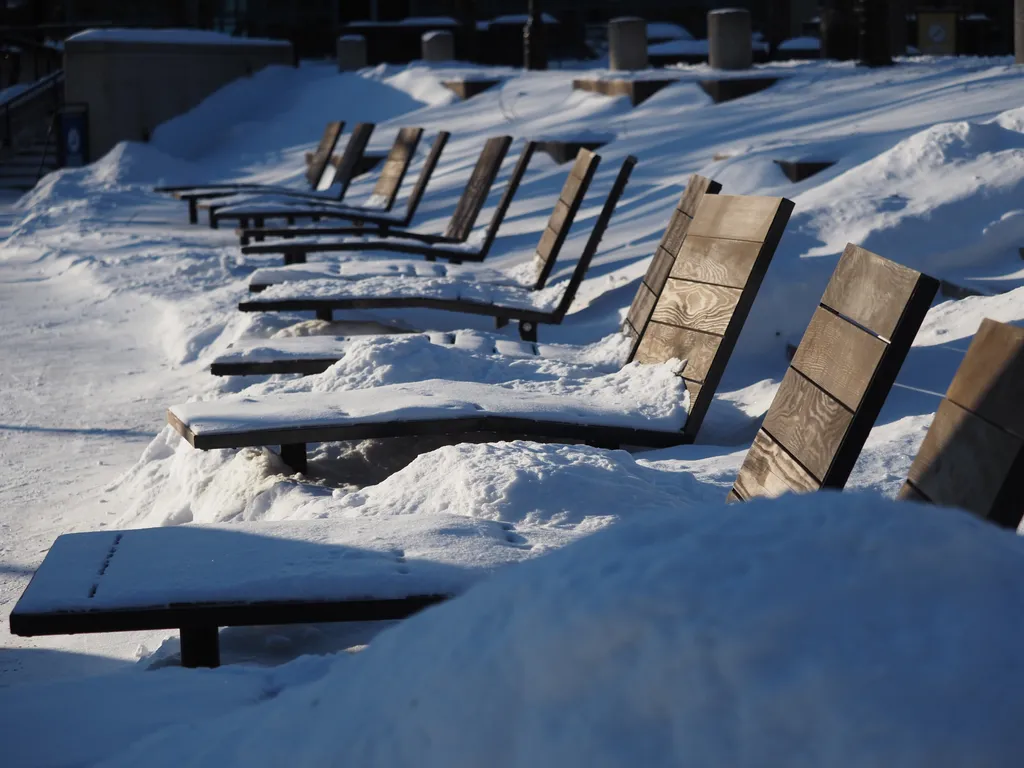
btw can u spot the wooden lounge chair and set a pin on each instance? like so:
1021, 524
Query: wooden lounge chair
376, 212
973, 454
732, 238
839, 377
316, 175
473, 197
460, 225
461, 291
315, 354
343, 175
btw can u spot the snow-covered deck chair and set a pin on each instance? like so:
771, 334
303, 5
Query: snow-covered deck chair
342, 176
839, 377
451, 244
316, 175
315, 354
973, 454
376, 212
731, 240
453, 288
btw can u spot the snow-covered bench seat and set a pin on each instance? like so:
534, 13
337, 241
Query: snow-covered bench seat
529, 305
306, 355
731, 239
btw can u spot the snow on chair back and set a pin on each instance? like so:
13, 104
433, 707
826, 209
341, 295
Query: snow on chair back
477, 188
839, 377
565, 210
709, 291
973, 454
350, 158
322, 156
665, 256
396, 165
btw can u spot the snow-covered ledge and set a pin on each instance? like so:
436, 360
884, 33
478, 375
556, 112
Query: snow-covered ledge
135, 79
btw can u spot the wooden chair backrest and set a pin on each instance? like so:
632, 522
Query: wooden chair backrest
594, 240
352, 156
322, 156
396, 165
664, 257
710, 289
839, 377
474, 195
562, 215
973, 454
514, 180
429, 164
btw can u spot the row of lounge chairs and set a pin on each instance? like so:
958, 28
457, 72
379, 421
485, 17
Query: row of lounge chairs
690, 306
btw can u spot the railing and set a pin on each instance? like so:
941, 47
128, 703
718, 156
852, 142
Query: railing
46, 92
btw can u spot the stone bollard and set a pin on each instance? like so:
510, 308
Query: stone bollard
627, 42
438, 46
730, 39
351, 52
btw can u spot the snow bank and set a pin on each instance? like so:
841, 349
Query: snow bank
171, 36
831, 629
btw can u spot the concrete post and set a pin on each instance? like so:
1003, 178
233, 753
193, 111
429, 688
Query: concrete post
1018, 30
729, 39
438, 46
351, 52
627, 42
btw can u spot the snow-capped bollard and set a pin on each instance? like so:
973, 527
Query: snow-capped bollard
351, 52
438, 46
627, 43
730, 39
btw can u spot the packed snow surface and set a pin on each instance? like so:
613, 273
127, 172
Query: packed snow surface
833, 630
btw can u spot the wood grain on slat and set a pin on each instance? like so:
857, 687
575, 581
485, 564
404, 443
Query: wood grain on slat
809, 423
477, 188
735, 217
659, 269
559, 215
697, 306
966, 462
696, 188
581, 164
716, 260
640, 309
990, 380
665, 342
839, 357
675, 232
768, 471
870, 290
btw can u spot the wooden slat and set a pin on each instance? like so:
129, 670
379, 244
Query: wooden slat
809, 423
675, 232
693, 389
732, 497
966, 462
696, 188
768, 471
664, 342
559, 215
990, 380
735, 217
839, 357
870, 290
640, 309
477, 188
570, 189
697, 306
397, 163
354, 151
581, 164
659, 269
715, 260
546, 245
909, 493
322, 155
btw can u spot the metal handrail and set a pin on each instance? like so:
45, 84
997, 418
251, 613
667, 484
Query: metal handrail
49, 83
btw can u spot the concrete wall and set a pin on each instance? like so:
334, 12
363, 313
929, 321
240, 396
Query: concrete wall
131, 86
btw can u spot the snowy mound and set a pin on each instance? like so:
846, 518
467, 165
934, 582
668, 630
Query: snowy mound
834, 630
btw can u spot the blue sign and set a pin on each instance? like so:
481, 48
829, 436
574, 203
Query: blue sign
74, 135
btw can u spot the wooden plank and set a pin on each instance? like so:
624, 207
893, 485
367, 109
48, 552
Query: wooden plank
990, 380
716, 260
839, 357
769, 471
663, 342
732, 497
697, 306
693, 389
909, 493
675, 232
353, 154
474, 195
580, 166
808, 422
560, 214
571, 189
735, 217
967, 462
323, 152
870, 290
640, 309
696, 188
659, 269
548, 240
